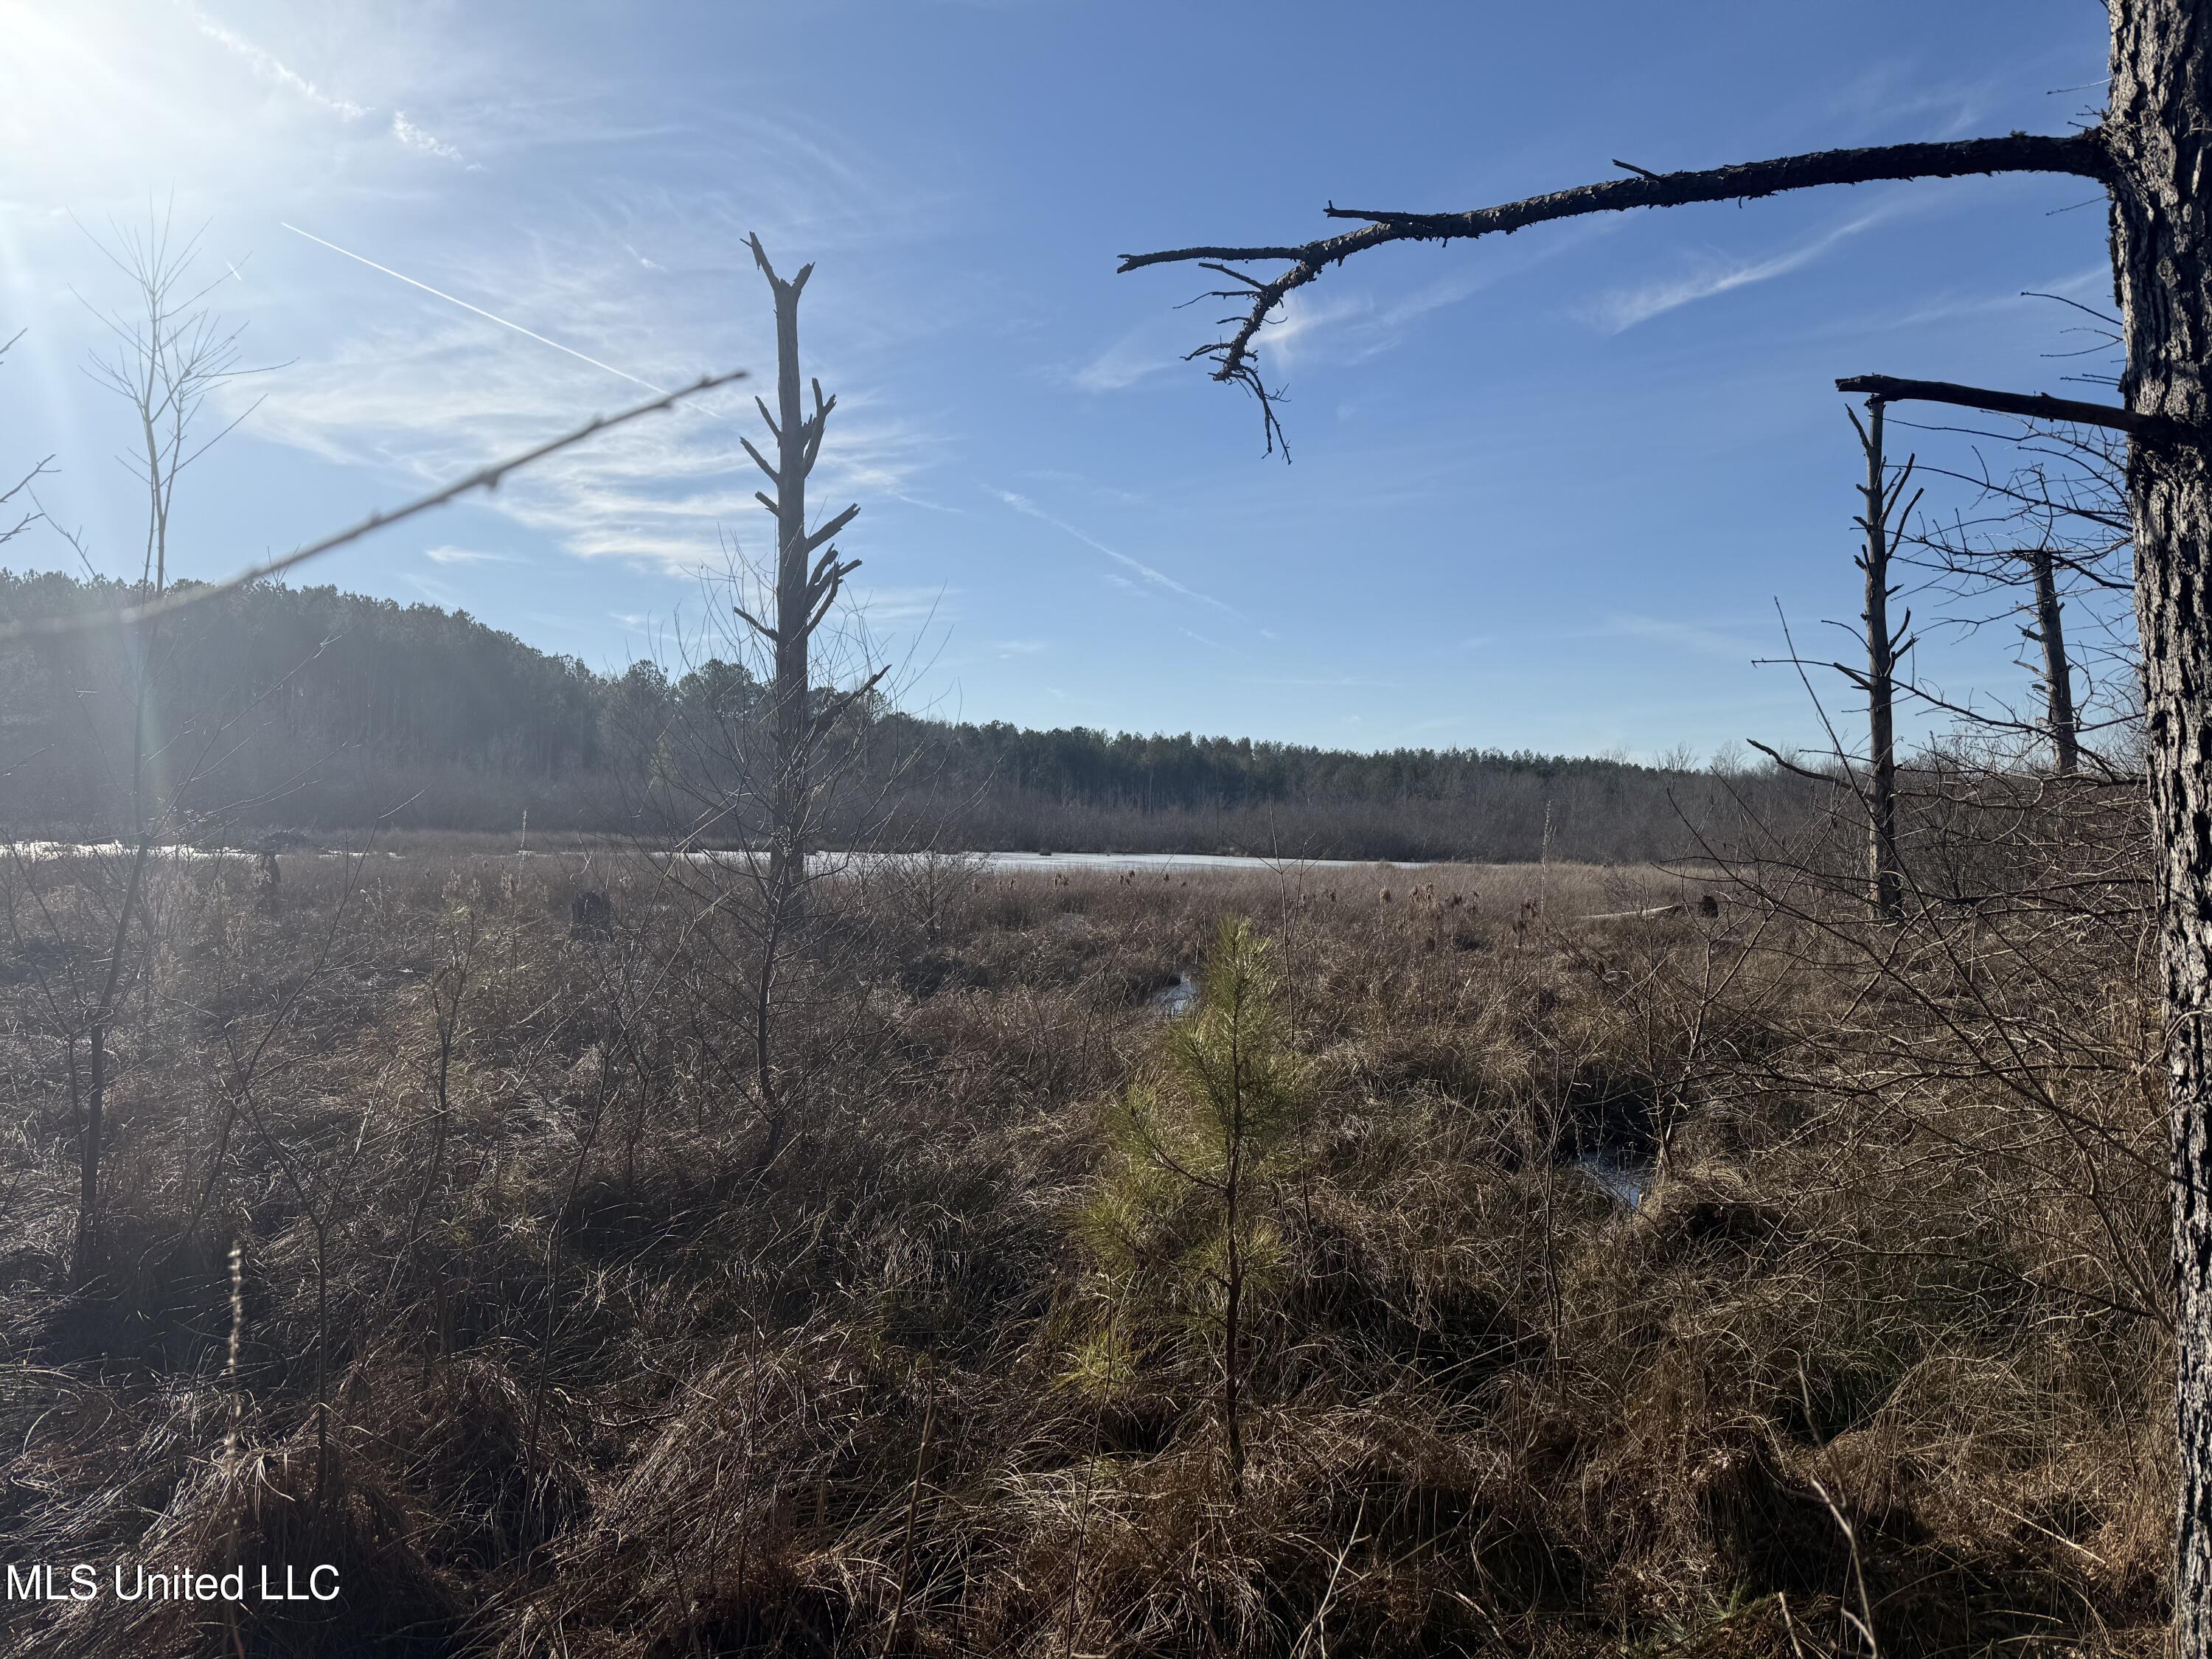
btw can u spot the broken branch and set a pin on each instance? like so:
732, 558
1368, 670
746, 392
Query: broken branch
2082, 153
2027, 405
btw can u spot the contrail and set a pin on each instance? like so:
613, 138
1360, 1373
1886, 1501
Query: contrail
479, 310
1158, 578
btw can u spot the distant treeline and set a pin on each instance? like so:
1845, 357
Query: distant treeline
317, 710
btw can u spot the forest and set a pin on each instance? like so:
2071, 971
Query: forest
308, 709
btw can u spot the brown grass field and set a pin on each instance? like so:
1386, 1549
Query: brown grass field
553, 1340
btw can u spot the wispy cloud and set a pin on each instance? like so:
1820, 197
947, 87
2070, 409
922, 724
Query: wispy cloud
431, 402
417, 139
671, 494
2092, 284
1163, 343
430, 390
266, 66
1891, 95
1150, 349
470, 556
1696, 638
1059, 475
888, 604
1154, 348
1625, 307
1304, 318
1333, 682
1341, 324
1159, 579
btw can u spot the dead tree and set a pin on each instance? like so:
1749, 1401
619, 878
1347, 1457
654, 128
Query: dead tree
2148, 153
758, 759
806, 587
2055, 528
1881, 523
800, 722
2049, 634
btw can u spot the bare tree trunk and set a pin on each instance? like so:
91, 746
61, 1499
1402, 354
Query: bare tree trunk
1885, 881
2050, 633
792, 464
2158, 131
803, 593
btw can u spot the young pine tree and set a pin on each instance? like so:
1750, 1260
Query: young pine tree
1184, 1225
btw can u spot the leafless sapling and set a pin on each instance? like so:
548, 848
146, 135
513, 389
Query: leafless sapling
169, 356
24, 517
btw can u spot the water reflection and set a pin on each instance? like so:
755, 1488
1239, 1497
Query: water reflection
1625, 1180
1177, 999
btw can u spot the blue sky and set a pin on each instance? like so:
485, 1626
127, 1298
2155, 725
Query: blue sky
1546, 492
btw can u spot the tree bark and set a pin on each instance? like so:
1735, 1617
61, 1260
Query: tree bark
2159, 123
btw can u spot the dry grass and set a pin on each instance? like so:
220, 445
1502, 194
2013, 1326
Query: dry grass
597, 1380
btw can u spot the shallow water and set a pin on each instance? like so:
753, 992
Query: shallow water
1179, 998
1050, 863
1626, 1181
994, 862
1166, 861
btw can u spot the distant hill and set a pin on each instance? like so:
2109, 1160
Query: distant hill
313, 708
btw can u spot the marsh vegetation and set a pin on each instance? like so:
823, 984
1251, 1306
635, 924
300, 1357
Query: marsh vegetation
452, 1244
